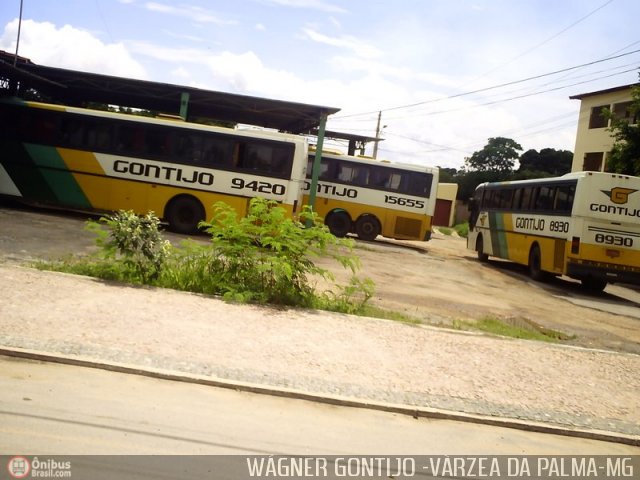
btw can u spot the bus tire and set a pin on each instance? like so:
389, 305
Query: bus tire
482, 257
339, 223
535, 264
367, 227
183, 214
593, 285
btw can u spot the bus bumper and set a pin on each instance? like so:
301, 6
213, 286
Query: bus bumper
604, 271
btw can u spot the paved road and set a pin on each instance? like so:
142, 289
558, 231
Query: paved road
54, 409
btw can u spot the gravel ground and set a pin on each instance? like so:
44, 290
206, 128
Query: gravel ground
320, 352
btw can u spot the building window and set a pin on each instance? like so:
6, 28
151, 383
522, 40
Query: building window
593, 162
597, 119
623, 112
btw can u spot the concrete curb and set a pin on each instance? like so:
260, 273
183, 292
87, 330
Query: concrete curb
337, 400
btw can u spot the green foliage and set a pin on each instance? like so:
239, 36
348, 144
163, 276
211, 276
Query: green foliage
469, 180
267, 257
523, 329
462, 229
498, 155
549, 162
134, 241
264, 257
624, 157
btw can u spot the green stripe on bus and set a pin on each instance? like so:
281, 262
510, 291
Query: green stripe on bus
498, 235
57, 176
25, 175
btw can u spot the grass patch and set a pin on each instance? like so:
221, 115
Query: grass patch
445, 230
377, 312
462, 229
518, 328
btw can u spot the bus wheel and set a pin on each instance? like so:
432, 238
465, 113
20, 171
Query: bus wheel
367, 227
483, 257
184, 213
593, 285
339, 223
535, 265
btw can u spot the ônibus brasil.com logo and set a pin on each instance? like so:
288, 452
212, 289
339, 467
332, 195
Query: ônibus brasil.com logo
19, 467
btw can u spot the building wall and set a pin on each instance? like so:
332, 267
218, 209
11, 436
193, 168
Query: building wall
447, 196
593, 140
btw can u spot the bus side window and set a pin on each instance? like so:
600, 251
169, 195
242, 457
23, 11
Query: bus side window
71, 132
98, 136
281, 160
419, 183
544, 201
217, 151
395, 181
527, 195
517, 199
44, 128
564, 198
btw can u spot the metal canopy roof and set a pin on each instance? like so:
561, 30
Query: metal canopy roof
73, 87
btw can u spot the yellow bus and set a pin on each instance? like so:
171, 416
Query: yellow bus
585, 225
85, 159
370, 198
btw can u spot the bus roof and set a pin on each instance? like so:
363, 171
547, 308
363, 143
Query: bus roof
563, 178
377, 162
160, 120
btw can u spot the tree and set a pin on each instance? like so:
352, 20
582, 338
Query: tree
625, 155
549, 162
447, 175
498, 155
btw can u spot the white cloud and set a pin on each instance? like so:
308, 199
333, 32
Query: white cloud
348, 42
68, 47
191, 12
260, 27
308, 4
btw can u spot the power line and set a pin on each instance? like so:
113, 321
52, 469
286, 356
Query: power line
544, 41
485, 89
517, 97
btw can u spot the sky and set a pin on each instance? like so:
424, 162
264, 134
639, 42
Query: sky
444, 76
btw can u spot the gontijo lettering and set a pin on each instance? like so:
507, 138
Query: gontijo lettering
163, 172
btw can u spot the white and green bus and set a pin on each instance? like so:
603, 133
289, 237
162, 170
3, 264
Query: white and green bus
85, 159
585, 225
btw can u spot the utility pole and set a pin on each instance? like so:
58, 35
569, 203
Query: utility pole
375, 145
15, 58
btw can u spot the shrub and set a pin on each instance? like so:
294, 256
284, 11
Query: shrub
133, 241
268, 257
264, 257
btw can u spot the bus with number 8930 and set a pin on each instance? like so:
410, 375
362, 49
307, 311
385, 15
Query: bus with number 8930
585, 225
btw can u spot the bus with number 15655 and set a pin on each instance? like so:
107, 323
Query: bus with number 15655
370, 197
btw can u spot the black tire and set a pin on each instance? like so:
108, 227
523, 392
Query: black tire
535, 265
482, 257
368, 227
339, 223
593, 285
183, 214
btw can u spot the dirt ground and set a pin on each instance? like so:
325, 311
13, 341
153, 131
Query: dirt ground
438, 281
